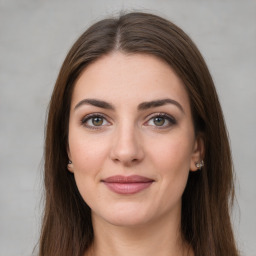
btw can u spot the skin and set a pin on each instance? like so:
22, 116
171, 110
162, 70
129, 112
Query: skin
131, 141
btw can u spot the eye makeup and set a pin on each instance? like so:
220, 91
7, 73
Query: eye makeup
95, 121
155, 120
161, 121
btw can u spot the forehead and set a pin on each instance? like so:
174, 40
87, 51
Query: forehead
122, 78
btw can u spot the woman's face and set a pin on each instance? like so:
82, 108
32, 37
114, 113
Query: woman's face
131, 139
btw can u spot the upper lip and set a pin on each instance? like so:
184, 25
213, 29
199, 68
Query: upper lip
127, 179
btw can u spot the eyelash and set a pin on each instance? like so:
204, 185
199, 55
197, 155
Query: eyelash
171, 120
90, 117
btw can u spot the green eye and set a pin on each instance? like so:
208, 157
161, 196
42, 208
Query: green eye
97, 121
159, 121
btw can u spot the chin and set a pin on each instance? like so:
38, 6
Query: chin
124, 216
126, 221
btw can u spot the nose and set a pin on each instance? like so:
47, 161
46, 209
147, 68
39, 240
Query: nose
127, 146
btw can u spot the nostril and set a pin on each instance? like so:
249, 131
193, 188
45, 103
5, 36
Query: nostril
126, 160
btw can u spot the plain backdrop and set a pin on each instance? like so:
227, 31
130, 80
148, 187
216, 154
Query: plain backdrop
35, 36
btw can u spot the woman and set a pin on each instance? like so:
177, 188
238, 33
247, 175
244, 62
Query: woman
137, 158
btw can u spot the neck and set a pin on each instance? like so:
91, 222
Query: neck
162, 238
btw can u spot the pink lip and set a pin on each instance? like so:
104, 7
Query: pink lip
127, 184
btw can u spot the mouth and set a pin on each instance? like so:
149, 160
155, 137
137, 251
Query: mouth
127, 184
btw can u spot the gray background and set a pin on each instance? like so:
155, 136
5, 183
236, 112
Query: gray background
34, 39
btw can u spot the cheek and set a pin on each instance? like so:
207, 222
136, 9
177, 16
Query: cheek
171, 159
87, 153
88, 159
173, 153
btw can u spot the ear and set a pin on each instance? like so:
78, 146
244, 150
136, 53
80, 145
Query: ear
198, 153
70, 165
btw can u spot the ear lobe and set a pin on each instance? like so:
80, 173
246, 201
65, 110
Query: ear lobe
70, 166
198, 153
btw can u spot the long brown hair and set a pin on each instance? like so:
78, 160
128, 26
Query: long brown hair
67, 228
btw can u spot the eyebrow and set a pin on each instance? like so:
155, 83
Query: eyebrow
96, 103
141, 106
159, 103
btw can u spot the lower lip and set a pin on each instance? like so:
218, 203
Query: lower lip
127, 188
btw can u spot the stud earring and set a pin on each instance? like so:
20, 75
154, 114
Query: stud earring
69, 162
199, 165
